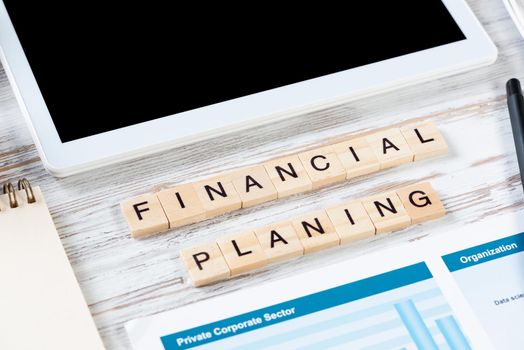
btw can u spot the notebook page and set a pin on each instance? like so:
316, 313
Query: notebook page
41, 305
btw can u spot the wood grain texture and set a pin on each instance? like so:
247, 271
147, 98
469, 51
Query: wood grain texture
123, 279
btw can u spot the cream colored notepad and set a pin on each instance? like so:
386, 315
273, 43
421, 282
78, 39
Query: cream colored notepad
41, 305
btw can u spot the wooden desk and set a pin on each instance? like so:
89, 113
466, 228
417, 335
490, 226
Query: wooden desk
123, 278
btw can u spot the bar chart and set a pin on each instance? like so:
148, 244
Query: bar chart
420, 334
401, 309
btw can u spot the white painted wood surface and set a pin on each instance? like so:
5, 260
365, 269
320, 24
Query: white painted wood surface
123, 279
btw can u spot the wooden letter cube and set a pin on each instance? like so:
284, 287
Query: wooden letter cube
315, 231
218, 196
387, 212
421, 202
181, 205
144, 215
323, 166
242, 252
351, 222
254, 186
288, 175
425, 140
280, 242
357, 156
205, 264
390, 147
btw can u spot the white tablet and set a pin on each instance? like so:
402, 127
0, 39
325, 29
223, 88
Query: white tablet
101, 83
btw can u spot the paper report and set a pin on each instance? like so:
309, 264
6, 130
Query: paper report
461, 290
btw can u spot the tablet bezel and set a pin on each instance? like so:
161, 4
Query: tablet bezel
63, 159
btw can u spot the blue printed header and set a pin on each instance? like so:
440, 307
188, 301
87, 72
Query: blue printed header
295, 308
484, 252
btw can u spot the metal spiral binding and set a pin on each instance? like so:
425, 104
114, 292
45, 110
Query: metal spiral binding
23, 184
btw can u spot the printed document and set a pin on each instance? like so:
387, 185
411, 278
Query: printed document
460, 290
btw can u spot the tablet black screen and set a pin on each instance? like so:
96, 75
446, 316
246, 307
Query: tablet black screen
102, 67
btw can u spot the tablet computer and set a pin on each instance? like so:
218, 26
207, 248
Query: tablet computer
100, 83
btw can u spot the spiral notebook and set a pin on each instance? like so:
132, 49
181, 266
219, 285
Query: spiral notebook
41, 305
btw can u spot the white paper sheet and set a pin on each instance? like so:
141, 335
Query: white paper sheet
461, 290
41, 304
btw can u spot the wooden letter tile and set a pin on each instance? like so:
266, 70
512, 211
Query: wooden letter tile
218, 196
254, 186
351, 222
205, 264
425, 140
144, 215
242, 252
280, 242
323, 166
181, 205
357, 157
387, 212
390, 147
421, 202
288, 175
316, 232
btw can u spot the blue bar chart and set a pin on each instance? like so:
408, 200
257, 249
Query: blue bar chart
415, 325
454, 337
419, 332
400, 309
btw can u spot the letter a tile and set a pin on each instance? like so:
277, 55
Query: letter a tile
254, 186
390, 147
280, 242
